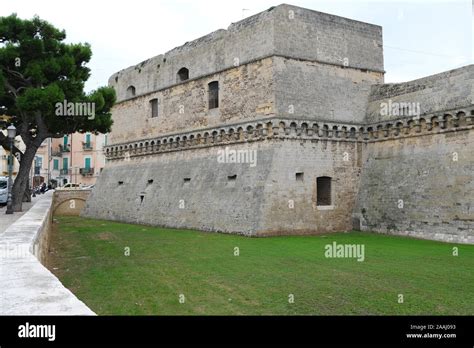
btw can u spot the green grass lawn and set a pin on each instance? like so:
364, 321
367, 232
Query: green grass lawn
88, 257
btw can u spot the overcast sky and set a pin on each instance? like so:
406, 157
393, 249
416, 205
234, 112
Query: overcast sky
420, 37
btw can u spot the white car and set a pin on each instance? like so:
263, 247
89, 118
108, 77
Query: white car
70, 186
3, 189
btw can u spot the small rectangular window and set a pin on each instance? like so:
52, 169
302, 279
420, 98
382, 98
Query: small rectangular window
154, 107
323, 186
232, 177
213, 95
186, 181
299, 176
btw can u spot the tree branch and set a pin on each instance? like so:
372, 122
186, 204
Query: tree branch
11, 88
19, 75
5, 143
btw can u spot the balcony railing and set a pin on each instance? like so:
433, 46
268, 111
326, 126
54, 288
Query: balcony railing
87, 146
86, 171
65, 171
66, 148
56, 152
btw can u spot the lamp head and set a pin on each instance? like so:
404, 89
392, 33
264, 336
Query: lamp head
11, 132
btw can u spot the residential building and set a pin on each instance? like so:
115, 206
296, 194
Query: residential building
77, 158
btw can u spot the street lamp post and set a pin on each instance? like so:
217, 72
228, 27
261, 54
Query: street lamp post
11, 135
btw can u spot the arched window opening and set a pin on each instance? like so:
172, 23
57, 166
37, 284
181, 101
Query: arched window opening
130, 91
183, 74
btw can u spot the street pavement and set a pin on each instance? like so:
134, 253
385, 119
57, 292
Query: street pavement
7, 220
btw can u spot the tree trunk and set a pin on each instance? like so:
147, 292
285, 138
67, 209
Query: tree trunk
21, 181
27, 194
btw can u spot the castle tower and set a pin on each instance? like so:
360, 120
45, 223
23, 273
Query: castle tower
260, 129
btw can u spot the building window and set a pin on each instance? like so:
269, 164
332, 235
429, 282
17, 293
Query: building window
299, 176
86, 145
154, 107
55, 164
38, 165
213, 95
323, 185
183, 75
130, 91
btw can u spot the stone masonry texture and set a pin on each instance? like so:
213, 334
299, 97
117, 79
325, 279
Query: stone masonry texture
302, 92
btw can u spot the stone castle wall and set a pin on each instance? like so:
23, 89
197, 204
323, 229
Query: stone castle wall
435, 94
265, 88
245, 92
182, 184
372, 168
246, 41
291, 204
325, 38
286, 54
283, 30
185, 189
69, 202
421, 182
321, 91
306, 96
420, 185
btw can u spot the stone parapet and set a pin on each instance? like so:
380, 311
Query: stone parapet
286, 128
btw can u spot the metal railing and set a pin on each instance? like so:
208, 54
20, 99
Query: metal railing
87, 146
66, 148
86, 171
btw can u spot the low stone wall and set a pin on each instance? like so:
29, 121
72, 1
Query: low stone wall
69, 202
29, 288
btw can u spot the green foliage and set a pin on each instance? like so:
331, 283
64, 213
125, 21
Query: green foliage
89, 258
37, 70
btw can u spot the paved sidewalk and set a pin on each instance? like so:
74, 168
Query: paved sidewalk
28, 287
7, 220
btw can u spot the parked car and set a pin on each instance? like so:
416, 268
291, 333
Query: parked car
3, 189
70, 186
